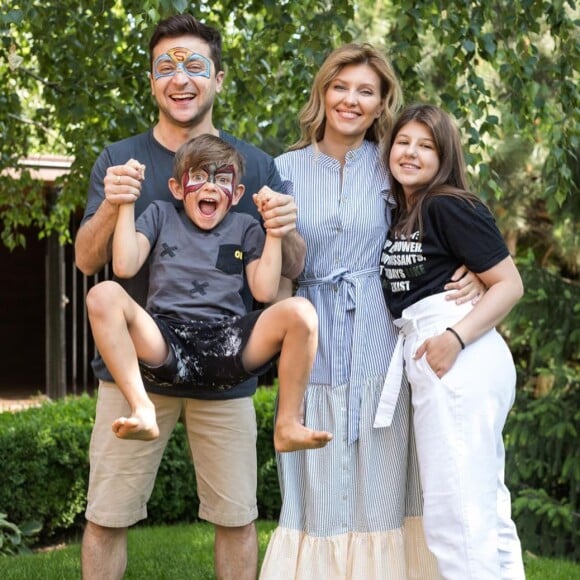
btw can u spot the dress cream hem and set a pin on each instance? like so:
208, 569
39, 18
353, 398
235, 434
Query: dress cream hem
399, 554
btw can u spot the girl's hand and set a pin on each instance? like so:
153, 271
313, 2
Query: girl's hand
441, 352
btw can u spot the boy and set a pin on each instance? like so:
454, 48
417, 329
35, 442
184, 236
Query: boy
195, 329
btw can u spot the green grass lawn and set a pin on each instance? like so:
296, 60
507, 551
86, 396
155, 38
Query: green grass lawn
186, 551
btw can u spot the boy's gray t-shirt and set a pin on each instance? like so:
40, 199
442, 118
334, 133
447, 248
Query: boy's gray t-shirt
197, 274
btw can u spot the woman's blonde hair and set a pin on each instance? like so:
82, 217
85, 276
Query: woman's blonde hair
312, 117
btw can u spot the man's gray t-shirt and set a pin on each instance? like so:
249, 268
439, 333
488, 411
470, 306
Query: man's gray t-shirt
158, 160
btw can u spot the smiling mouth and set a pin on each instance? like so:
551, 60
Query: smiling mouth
348, 114
207, 206
183, 97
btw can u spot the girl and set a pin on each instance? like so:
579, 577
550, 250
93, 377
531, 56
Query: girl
461, 372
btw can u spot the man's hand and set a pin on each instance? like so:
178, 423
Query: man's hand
278, 211
279, 214
122, 183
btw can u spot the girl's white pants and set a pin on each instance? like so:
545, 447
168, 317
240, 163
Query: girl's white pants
458, 422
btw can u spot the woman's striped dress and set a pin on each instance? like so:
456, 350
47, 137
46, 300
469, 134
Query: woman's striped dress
352, 509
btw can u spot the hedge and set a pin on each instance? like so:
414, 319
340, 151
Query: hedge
45, 468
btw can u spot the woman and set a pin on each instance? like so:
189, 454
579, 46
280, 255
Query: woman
352, 509
461, 371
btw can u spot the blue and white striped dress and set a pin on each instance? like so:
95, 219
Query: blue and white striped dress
352, 509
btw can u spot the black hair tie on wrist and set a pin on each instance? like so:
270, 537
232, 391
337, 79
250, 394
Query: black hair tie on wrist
456, 334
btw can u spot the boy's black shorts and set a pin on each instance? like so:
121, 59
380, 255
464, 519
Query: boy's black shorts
204, 354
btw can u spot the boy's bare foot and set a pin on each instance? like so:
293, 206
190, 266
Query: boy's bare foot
140, 425
295, 437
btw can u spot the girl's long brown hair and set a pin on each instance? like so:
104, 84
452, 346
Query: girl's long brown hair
451, 179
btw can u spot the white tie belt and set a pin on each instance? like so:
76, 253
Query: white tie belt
433, 313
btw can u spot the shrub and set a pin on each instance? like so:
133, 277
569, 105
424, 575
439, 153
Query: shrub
174, 497
543, 470
269, 501
542, 451
44, 459
45, 468
43, 453
15, 540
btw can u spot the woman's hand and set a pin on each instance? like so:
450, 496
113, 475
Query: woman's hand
467, 286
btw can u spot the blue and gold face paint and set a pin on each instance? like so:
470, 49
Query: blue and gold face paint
188, 62
223, 176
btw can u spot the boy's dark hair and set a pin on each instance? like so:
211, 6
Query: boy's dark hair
206, 149
186, 24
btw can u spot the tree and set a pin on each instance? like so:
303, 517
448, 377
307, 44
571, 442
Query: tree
77, 82
508, 71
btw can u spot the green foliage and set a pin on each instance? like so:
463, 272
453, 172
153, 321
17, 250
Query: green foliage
543, 470
271, 50
44, 458
269, 500
75, 84
14, 540
174, 497
501, 66
43, 453
544, 328
543, 457
508, 72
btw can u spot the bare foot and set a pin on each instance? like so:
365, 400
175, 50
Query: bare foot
294, 437
140, 425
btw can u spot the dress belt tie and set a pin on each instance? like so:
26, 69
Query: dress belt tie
348, 286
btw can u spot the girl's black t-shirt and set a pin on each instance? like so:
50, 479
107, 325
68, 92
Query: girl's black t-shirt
455, 232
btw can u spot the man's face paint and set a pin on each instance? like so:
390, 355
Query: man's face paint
190, 63
223, 177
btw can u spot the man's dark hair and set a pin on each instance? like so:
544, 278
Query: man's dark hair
186, 24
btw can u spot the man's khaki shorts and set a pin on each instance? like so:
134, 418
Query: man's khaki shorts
222, 439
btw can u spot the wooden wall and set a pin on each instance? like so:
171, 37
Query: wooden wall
22, 317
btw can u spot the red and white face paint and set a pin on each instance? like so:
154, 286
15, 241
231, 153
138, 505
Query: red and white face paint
223, 177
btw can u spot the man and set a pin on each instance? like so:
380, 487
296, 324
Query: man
185, 77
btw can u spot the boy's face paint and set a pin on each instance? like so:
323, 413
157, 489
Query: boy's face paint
190, 63
223, 177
